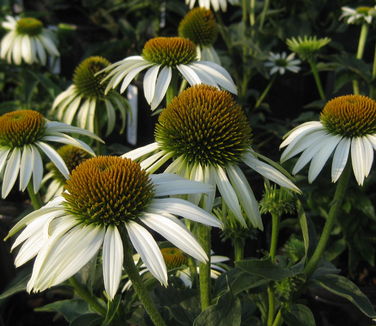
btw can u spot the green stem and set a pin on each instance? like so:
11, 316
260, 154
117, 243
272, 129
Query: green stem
204, 238
278, 319
183, 86
238, 249
359, 52
315, 73
36, 201
264, 12
265, 92
134, 276
172, 89
334, 210
84, 293
271, 306
373, 87
252, 17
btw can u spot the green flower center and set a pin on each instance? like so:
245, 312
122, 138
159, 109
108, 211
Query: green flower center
20, 128
307, 46
29, 26
199, 26
174, 257
281, 63
205, 126
72, 156
363, 10
108, 190
350, 116
86, 80
169, 51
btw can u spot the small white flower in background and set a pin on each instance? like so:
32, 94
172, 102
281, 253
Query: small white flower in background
23, 137
347, 127
358, 15
204, 135
85, 99
27, 41
216, 4
280, 62
161, 56
177, 262
105, 197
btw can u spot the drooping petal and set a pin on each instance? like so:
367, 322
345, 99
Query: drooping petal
149, 251
357, 159
175, 232
189, 74
112, 260
37, 168
150, 80
141, 151
163, 81
181, 187
368, 156
11, 172
301, 131
183, 208
54, 157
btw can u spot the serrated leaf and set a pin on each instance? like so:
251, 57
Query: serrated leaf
344, 288
264, 268
70, 309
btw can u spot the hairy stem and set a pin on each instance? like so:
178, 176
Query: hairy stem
36, 201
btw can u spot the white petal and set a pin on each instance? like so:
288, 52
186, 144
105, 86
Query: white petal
150, 79
68, 255
181, 187
48, 44
228, 194
41, 52
111, 117
175, 232
245, 194
26, 167
357, 159
66, 139
11, 172
141, 151
183, 208
54, 157
269, 172
189, 74
54, 126
163, 81
322, 156
131, 75
112, 260
148, 249
368, 156
300, 131
26, 49
3, 158
37, 168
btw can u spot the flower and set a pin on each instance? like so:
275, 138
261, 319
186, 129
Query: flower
280, 62
27, 41
347, 125
177, 262
23, 137
106, 198
85, 98
72, 157
358, 15
160, 55
216, 4
306, 46
199, 26
208, 135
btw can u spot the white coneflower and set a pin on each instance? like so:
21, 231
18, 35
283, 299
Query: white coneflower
85, 99
280, 62
161, 56
177, 262
208, 135
347, 126
72, 157
107, 197
199, 26
216, 4
23, 137
27, 41
358, 15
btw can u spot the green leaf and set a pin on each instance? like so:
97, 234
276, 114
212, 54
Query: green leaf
238, 281
112, 308
87, 320
298, 315
227, 312
344, 288
70, 309
18, 284
264, 268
